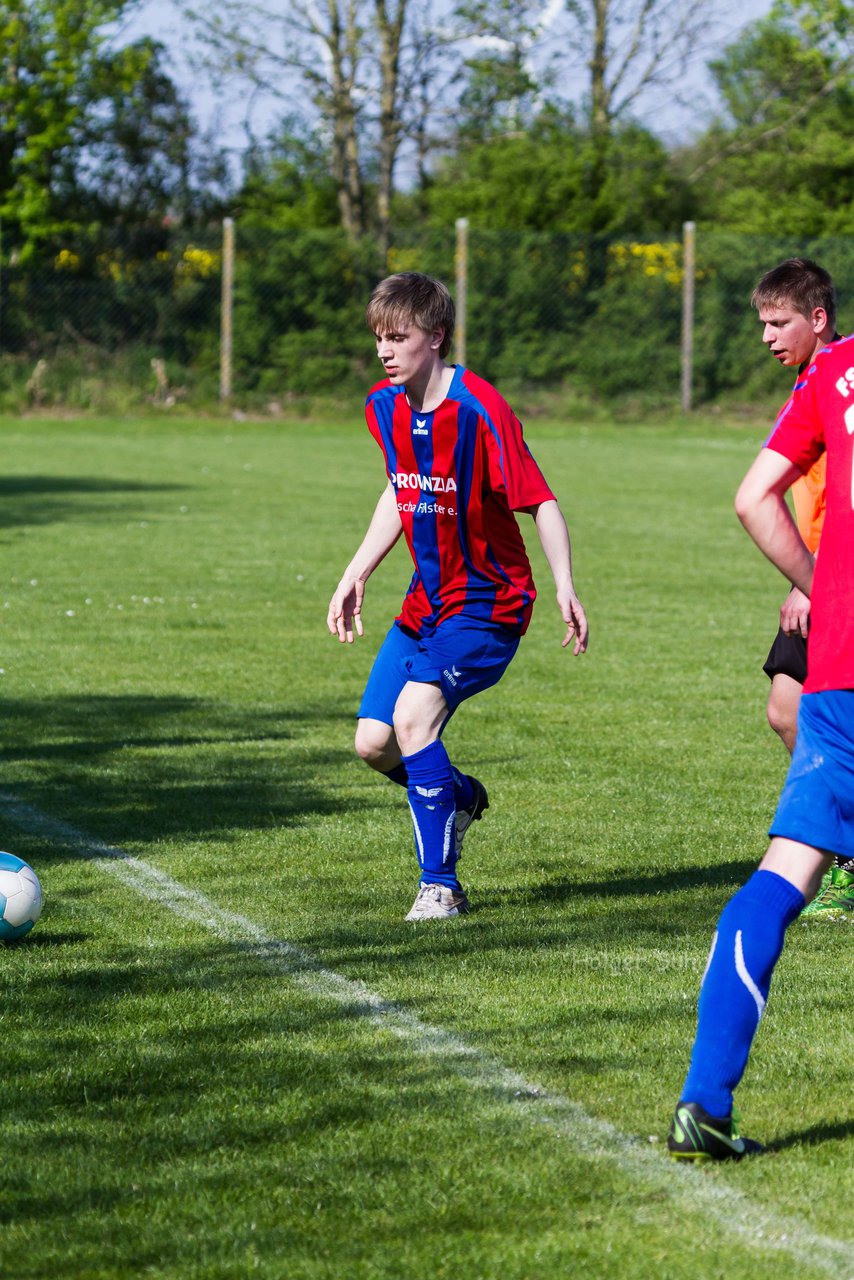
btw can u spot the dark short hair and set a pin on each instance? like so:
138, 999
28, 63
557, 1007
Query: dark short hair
801, 283
412, 298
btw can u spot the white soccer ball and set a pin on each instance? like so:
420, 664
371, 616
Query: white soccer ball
20, 897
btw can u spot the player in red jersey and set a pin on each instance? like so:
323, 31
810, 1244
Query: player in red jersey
815, 817
796, 302
458, 470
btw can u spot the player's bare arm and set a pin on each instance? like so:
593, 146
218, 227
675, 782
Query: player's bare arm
345, 607
554, 539
760, 505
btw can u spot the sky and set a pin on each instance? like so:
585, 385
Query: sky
226, 112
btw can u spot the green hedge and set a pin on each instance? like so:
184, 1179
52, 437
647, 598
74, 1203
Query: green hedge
601, 316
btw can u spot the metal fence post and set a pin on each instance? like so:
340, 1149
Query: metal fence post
461, 260
688, 229
225, 343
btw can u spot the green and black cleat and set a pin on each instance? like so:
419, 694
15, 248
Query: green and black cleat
696, 1135
835, 898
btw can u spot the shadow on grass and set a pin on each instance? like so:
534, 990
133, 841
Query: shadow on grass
815, 1136
633, 883
43, 500
113, 1091
49, 940
144, 768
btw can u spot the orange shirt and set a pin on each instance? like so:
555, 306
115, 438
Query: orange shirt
809, 497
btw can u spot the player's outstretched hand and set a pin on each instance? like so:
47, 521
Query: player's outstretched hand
572, 612
345, 610
795, 614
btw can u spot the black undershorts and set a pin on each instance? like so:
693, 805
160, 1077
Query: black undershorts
788, 657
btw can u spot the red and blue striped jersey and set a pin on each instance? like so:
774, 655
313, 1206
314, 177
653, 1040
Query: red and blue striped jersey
460, 472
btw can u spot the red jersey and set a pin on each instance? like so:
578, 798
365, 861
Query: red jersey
820, 417
459, 473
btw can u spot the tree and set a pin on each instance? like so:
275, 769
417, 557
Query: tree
536, 179
603, 55
88, 132
786, 147
343, 57
49, 50
375, 75
629, 47
500, 91
137, 162
287, 183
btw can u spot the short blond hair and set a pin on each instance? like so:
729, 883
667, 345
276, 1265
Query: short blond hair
411, 298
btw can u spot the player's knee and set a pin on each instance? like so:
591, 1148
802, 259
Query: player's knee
412, 729
419, 714
404, 725
372, 743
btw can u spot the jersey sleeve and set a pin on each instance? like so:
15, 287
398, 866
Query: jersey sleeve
511, 464
379, 415
798, 433
373, 424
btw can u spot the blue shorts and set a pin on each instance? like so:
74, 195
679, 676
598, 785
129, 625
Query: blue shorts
817, 804
462, 659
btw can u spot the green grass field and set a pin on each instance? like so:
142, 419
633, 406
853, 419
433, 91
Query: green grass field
224, 1052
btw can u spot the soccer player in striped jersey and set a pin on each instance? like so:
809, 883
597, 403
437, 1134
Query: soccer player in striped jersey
458, 470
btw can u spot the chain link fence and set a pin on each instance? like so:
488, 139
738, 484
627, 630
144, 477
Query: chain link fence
142, 316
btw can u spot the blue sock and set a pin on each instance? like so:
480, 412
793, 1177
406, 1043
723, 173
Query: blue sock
463, 789
745, 949
434, 812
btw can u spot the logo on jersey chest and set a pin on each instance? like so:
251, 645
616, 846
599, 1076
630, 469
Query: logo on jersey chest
420, 428
427, 484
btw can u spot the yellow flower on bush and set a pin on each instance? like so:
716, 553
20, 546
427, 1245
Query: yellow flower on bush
664, 260
578, 271
113, 266
65, 260
198, 264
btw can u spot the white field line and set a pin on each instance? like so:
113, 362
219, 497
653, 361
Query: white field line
690, 1190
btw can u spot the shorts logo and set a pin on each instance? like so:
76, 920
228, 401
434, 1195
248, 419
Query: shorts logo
452, 676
